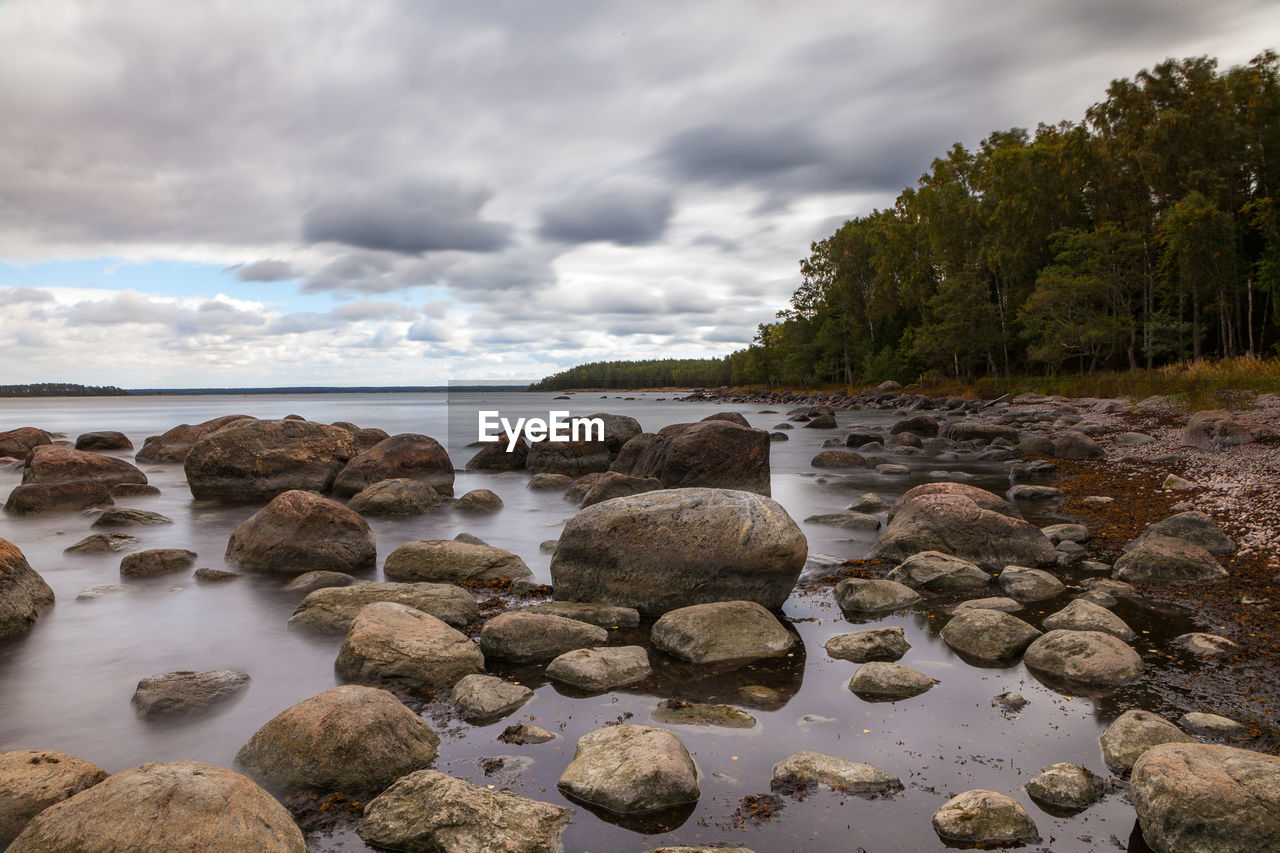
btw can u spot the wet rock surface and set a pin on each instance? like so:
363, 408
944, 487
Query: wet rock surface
176, 694
31, 780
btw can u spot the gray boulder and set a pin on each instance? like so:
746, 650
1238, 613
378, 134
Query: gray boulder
851, 777
860, 596
934, 571
522, 637
1081, 615
1084, 657
1212, 725
1132, 734
392, 642
185, 692
449, 561
395, 497
1164, 559
1217, 430
955, 524
484, 698
881, 681
1025, 584
103, 543
994, 602
709, 454
1190, 526
721, 631
847, 520
873, 644
630, 769
1072, 444
311, 581
1064, 786
331, 609
614, 485
988, 635
984, 819
600, 669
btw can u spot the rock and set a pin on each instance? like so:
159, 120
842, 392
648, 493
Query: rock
1080, 615
881, 681
1133, 439
984, 819
548, 546
953, 522
312, 581
868, 503
1133, 733
823, 421
428, 811
56, 497
103, 543
1025, 492
630, 769
52, 464
662, 550
1026, 584
1058, 533
1206, 645
31, 780
394, 642
874, 644
1163, 559
601, 669
185, 805
680, 713
713, 454
500, 456
859, 596
988, 635
214, 575
353, 740
1064, 786
331, 610
838, 459
602, 615
300, 531
550, 482
478, 500
134, 490
614, 485
483, 698
892, 469
921, 425
1175, 483
105, 440
1217, 430
719, 631
125, 517
250, 460
980, 432
174, 445
450, 560
397, 497
571, 458
849, 777
778, 436
934, 571
100, 590
156, 561
1193, 527
23, 593
619, 429
523, 637
17, 443
407, 456
1205, 797
1011, 701
524, 734
1212, 725
847, 520
179, 693
995, 602
1084, 657
1071, 444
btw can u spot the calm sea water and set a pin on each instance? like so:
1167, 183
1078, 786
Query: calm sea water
67, 683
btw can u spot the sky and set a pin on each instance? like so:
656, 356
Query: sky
371, 192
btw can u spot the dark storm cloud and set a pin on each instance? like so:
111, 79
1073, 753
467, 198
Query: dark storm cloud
626, 216
409, 219
266, 271
723, 153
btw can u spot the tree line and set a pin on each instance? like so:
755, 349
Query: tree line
61, 389
1145, 233
650, 373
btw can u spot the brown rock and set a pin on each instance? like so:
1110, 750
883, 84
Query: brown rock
23, 593
57, 497
713, 454
31, 780
407, 456
302, 531
51, 464
156, 561
250, 461
105, 440
174, 445
17, 443
397, 643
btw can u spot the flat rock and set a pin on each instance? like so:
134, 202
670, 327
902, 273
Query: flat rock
1058, 533
937, 572
429, 811
847, 520
838, 459
681, 713
1081, 615
984, 819
887, 644
448, 560
994, 602
120, 516
214, 575
523, 637
103, 543
31, 780
851, 777
354, 740
600, 669
1164, 559
185, 692
1084, 657
631, 769
1029, 492
393, 642
870, 597
1206, 645
1198, 723
484, 698
1133, 733
880, 681
721, 631
100, 590
523, 735
156, 561
330, 610
988, 635
311, 581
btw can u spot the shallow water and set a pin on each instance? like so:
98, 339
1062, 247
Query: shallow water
67, 683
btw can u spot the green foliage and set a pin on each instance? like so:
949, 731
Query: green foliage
61, 389
652, 373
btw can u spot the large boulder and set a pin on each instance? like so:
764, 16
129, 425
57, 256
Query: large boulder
330, 610
174, 694
1207, 798
618, 430
984, 819
1133, 733
500, 456
713, 454
393, 642
23, 593
103, 440
250, 461
720, 631
614, 485
1073, 444
571, 458
860, 596
1190, 526
429, 811
1164, 559
57, 497
1218, 430
988, 635
31, 780
982, 497
175, 444
934, 571
662, 550
408, 456
448, 560
300, 532
522, 637
630, 769
353, 740
1084, 657
887, 644
17, 443
956, 524
185, 805
398, 496
50, 464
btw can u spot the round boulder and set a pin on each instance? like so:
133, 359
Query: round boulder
721, 631
1023, 584
478, 500
156, 561
175, 444
17, 443
1084, 657
392, 642
1068, 787
614, 485
880, 681
630, 769
1164, 559
450, 560
302, 531
988, 635
249, 461
600, 669
861, 596
1133, 733
50, 464
875, 644
1081, 615
398, 496
708, 454
984, 819
1190, 526
408, 456
103, 440
484, 698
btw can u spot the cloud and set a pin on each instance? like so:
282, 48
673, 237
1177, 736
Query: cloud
429, 331
624, 215
724, 153
266, 271
16, 295
370, 309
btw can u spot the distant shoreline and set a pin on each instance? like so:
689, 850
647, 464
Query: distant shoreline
67, 390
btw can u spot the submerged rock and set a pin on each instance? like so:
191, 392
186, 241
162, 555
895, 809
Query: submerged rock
630, 769
1206, 645
984, 819
1064, 786
851, 777
186, 692
523, 637
886, 644
600, 669
862, 596
103, 543
449, 560
880, 681
330, 610
681, 713
126, 517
